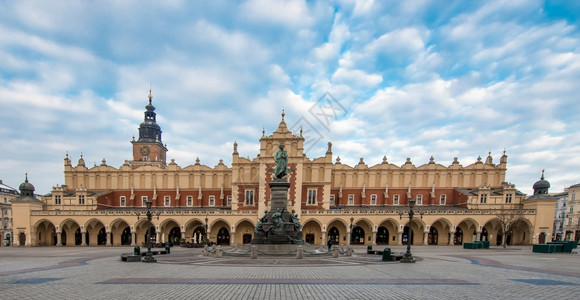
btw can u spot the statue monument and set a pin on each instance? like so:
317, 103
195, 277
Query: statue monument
279, 226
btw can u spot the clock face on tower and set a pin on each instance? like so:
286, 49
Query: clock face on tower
145, 150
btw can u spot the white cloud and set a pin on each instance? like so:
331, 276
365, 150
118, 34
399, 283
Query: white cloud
337, 37
399, 41
356, 77
292, 13
278, 75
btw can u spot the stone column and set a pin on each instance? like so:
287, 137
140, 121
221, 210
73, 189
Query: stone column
451, 234
163, 237
254, 253
348, 232
183, 235
400, 238
374, 241
324, 238
477, 236
425, 237
108, 238
299, 252
84, 238
133, 238
58, 239
157, 236
232, 237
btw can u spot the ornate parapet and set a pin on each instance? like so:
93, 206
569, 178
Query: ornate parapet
425, 211
131, 212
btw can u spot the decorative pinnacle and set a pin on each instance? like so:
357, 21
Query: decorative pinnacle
263, 131
25, 177
542, 174
150, 96
283, 114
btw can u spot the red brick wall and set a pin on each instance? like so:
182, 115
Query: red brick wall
453, 197
113, 199
319, 197
242, 196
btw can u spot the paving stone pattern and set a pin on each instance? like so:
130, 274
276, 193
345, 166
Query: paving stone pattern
441, 272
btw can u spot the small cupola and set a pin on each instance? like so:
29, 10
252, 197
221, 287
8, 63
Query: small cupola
26, 188
541, 186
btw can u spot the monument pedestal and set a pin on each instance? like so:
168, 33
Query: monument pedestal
278, 226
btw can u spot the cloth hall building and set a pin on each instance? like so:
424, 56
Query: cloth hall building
361, 204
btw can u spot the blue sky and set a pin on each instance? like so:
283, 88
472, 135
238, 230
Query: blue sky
405, 78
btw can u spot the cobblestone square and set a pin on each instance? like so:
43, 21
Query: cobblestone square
440, 272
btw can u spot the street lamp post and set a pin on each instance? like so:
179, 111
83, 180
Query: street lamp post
149, 256
408, 258
577, 233
206, 234
351, 226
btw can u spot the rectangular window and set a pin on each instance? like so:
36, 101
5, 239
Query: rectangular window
351, 199
331, 200
442, 199
396, 200
211, 200
569, 221
483, 198
143, 200
574, 197
571, 208
311, 197
419, 199
81, 199
373, 199
56, 200
249, 197
508, 198
167, 201
123, 201
229, 200
189, 201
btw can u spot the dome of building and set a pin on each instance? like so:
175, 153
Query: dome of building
26, 188
541, 186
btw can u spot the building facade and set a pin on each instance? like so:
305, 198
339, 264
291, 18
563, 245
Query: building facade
7, 194
360, 204
572, 219
560, 216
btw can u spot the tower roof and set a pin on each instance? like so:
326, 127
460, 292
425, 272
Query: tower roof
26, 192
149, 130
282, 127
541, 186
26, 186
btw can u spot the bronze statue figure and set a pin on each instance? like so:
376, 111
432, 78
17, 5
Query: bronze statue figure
281, 159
